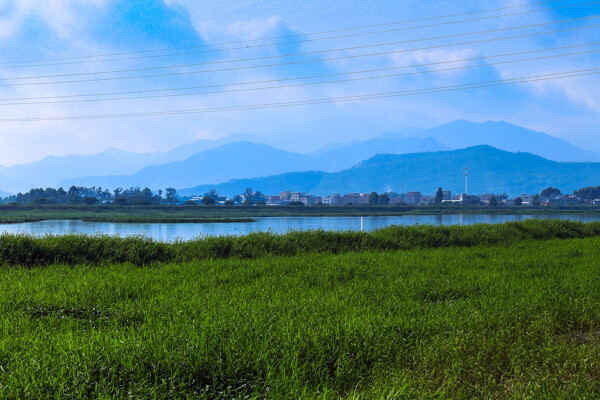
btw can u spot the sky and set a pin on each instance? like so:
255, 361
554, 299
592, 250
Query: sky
91, 58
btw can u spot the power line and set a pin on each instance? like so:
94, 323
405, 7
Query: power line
313, 83
281, 37
301, 62
301, 41
299, 54
527, 79
297, 78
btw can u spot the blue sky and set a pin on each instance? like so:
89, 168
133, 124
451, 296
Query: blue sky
34, 30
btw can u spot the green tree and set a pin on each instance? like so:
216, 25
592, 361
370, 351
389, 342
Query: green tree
208, 201
212, 194
493, 202
439, 196
518, 201
171, 195
228, 203
120, 201
258, 197
384, 199
90, 200
373, 199
550, 192
536, 200
237, 199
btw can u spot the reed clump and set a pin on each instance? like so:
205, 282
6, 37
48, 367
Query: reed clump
138, 250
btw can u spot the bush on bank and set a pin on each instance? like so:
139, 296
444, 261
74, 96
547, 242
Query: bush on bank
27, 250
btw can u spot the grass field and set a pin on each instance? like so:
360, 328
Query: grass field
458, 312
165, 213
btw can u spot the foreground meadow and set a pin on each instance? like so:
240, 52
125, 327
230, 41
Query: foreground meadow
512, 318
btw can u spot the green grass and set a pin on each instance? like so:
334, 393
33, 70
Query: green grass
165, 213
516, 320
102, 249
14, 214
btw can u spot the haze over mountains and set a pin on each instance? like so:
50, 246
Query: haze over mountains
491, 171
211, 162
504, 136
248, 160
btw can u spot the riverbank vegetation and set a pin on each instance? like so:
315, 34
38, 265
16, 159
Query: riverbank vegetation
487, 312
170, 213
101, 249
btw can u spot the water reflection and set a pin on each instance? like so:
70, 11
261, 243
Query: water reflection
186, 231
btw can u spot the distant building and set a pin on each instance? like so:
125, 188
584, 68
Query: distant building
310, 200
295, 196
469, 199
412, 198
284, 197
396, 200
363, 200
486, 197
446, 195
427, 200
527, 198
274, 200
335, 200
351, 198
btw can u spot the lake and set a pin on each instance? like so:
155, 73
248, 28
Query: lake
186, 231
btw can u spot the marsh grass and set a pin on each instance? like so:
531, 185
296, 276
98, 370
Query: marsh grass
167, 213
513, 320
73, 249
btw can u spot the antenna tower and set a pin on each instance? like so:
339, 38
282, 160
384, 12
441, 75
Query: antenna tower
466, 180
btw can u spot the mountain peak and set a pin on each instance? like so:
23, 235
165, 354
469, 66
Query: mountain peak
505, 136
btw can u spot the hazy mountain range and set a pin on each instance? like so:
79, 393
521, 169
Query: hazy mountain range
505, 136
240, 156
491, 171
248, 160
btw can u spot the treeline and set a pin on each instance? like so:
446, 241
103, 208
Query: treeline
248, 197
93, 195
588, 193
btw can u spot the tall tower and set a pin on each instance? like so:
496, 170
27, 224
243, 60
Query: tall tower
466, 180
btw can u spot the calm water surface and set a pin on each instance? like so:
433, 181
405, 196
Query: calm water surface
186, 231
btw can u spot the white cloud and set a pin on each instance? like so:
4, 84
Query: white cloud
245, 30
65, 17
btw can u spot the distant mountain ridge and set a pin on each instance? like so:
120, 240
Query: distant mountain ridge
52, 170
241, 160
504, 136
194, 163
491, 171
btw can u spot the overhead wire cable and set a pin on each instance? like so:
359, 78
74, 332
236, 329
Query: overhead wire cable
292, 54
303, 41
315, 83
300, 77
299, 62
283, 37
527, 79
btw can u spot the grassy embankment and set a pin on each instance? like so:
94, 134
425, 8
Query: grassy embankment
486, 311
10, 214
165, 213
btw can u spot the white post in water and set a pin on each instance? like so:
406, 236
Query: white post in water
362, 226
466, 180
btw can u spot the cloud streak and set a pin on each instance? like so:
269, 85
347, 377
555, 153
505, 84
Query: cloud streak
32, 29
